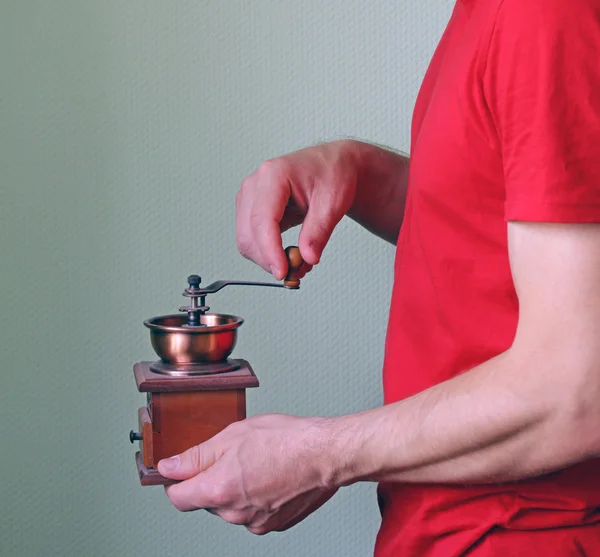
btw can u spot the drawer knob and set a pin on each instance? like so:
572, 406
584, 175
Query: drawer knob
134, 436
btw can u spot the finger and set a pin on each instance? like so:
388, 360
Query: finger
240, 518
324, 213
191, 495
294, 517
189, 463
306, 268
205, 491
291, 514
265, 217
243, 232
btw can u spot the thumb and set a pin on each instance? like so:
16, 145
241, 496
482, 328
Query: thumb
189, 463
323, 215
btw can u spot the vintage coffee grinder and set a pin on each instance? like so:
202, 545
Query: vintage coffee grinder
195, 389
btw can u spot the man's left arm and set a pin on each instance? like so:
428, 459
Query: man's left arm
531, 410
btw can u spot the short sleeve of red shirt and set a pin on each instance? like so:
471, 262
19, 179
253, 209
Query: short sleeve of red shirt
542, 84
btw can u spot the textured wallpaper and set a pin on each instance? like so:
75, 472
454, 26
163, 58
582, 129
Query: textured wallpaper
126, 129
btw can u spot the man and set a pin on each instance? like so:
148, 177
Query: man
488, 440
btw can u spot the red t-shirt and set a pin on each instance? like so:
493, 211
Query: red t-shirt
506, 127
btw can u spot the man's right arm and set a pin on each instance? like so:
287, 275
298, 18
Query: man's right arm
316, 187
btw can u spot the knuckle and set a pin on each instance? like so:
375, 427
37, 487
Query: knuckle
269, 166
238, 427
180, 507
245, 186
177, 500
220, 494
274, 168
197, 457
238, 518
244, 246
258, 530
242, 197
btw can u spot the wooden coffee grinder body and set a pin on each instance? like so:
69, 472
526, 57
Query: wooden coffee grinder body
185, 411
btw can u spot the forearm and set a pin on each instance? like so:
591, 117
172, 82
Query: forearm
495, 423
381, 188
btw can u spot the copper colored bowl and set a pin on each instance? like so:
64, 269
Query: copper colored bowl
175, 343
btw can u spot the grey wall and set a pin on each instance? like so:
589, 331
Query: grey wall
125, 131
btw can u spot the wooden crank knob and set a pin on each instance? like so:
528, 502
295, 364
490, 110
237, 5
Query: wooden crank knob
295, 264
